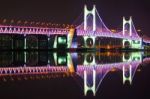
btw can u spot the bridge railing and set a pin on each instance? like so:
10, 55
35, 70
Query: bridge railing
31, 70
32, 30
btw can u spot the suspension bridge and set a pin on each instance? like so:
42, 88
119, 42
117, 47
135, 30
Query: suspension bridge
91, 29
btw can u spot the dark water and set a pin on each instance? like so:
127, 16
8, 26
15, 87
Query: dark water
61, 84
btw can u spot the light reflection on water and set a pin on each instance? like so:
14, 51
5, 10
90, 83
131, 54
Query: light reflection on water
91, 67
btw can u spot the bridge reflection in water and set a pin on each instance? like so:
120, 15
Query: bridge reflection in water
91, 67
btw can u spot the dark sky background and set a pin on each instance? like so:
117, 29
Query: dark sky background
66, 11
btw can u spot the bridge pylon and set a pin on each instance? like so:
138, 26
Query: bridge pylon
125, 22
88, 12
125, 72
135, 44
90, 88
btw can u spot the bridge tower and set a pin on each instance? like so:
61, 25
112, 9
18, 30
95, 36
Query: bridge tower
130, 25
125, 22
127, 74
135, 44
90, 88
91, 39
88, 12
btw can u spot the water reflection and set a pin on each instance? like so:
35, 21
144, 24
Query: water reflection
91, 67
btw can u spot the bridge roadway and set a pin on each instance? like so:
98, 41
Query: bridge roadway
63, 31
60, 31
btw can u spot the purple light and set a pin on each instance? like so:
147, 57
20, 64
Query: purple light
32, 30
107, 34
31, 70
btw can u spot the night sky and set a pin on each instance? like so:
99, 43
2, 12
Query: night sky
66, 11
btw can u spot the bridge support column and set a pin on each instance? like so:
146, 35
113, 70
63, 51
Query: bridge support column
93, 59
48, 40
126, 40
133, 44
136, 56
55, 42
85, 41
137, 44
129, 76
48, 47
55, 58
48, 61
70, 63
25, 48
88, 88
70, 37
12, 42
127, 60
12, 48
